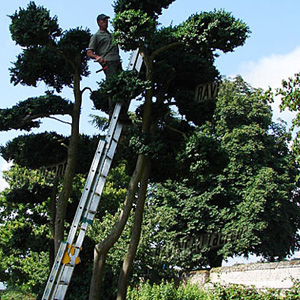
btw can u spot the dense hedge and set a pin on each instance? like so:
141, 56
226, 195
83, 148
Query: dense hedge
15, 294
168, 291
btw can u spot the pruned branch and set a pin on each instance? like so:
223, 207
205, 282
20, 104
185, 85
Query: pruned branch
164, 48
65, 122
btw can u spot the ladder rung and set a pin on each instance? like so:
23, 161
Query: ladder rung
60, 275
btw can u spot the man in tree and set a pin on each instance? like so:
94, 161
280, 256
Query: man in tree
103, 50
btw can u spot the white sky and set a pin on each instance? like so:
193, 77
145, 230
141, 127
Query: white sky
271, 53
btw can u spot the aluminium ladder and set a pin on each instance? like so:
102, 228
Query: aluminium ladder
68, 254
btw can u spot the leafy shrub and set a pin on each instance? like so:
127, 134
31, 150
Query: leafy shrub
15, 294
168, 291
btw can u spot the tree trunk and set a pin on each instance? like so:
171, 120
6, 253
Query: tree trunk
52, 210
215, 259
64, 195
102, 248
99, 263
135, 235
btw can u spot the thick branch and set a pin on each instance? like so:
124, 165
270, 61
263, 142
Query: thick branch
164, 48
60, 53
65, 193
175, 130
135, 234
117, 230
102, 248
86, 88
52, 208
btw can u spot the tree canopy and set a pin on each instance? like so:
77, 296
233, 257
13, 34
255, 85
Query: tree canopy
215, 174
233, 190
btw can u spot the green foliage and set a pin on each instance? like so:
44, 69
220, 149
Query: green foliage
184, 54
168, 291
176, 218
232, 180
181, 71
49, 54
34, 194
201, 159
115, 190
290, 99
294, 292
120, 88
146, 145
155, 292
240, 292
24, 231
258, 184
73, 44
24, 115
152, 8
290, 93
36, 150
24, 236
16, 294
100, 123
33, 26
161, 146
53, 64
37, 64
241, 105
48, 149
132, 28
30, 272
203, 33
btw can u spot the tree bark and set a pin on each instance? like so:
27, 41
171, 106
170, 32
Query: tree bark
135, 235
215, 260
64, 195
102, 248
52, 212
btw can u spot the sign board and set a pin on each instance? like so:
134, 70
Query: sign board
197, 244
207, 91
57, 170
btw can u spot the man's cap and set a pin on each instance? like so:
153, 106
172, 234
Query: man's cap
102, 17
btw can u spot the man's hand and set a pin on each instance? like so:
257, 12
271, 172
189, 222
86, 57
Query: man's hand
100, 59
91, 54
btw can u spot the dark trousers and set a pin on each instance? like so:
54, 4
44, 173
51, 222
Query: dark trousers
113, 68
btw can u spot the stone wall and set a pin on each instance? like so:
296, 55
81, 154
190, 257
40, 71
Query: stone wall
279, 275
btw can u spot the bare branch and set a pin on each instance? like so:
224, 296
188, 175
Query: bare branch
164, 48
65, 122
86, 88
175, 130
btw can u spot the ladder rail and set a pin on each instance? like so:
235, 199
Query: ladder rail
102, 154
61, 272
94, 174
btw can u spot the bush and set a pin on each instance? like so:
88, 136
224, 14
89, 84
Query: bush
168, 291
15, 294
237, 292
